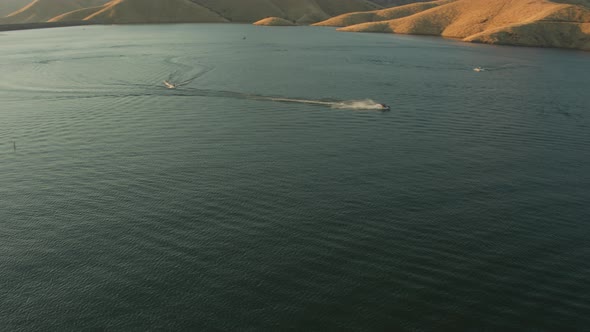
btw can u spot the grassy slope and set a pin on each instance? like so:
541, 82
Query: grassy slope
274, 21
44, 10
10, 6
301, 11
159, 11
512, 22
394, 3
378, 15
77, 15
143, 11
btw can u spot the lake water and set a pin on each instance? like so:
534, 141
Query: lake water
128, 206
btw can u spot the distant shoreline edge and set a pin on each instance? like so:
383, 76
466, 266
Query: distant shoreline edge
42, 25
48, 25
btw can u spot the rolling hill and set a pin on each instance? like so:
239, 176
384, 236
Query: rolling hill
299, 11
550, 23
45, 10
512, 22
10, 6
170, 11
379, 15
393, 3
143, 11
274, 21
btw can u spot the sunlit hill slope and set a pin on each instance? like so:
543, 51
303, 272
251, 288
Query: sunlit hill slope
300, 11
513, 22
170, 11
143, 11
379, 15
274, 21
10, 6
44, 10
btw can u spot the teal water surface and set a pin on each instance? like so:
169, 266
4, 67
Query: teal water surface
221, 206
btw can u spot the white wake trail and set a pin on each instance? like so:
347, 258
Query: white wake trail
365, 104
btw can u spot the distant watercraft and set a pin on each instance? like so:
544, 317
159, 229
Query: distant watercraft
385, 107
478, 69
169, 85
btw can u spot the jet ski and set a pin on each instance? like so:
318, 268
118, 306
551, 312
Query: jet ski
169, 85
385, 107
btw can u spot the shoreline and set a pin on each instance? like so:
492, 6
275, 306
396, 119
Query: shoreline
42, 25
49, 25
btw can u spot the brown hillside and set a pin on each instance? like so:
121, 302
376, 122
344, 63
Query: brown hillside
243, 11
162, 11
77, 15
394, 3
274, 21
339, 7
512, 22
10, 6
378, 15
300, 11
144, 11
44, 10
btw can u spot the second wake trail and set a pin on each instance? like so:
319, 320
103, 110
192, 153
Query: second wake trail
364, 104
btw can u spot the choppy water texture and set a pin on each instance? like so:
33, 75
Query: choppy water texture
225, 205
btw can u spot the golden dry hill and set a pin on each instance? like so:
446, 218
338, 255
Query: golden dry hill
299, 11
143, 11
393, 3
379, 15
170, 11
10, 6
512, 22
44, 10
274, 21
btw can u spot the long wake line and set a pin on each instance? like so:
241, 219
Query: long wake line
364, 104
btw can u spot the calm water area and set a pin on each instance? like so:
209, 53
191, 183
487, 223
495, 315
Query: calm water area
266, 192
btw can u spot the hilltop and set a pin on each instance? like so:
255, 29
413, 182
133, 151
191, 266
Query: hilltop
143, 11
392, 3
170, 11
548, 23
44, 10
274, 21
299, 11
10, 6
564, 23
379, 15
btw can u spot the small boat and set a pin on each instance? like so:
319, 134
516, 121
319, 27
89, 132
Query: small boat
169, 85
478, 69
385, 107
